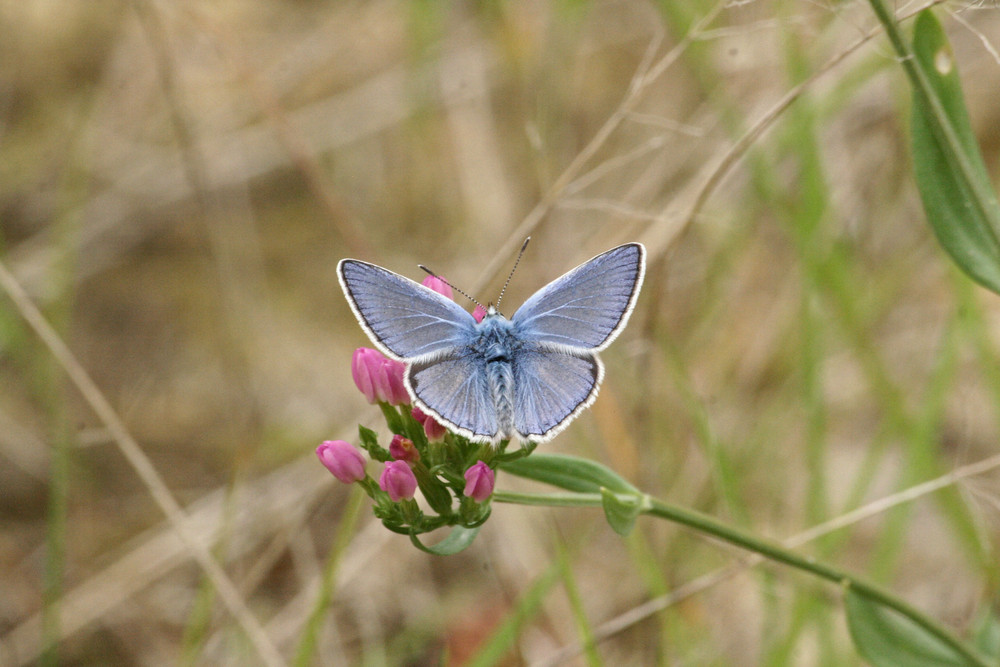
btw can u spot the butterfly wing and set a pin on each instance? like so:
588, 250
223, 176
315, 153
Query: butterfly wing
403, 318
588, 307
561, 327
551, 389
455, 390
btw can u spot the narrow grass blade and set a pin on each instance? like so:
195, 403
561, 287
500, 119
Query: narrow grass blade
577, 608
496, 648
306, 653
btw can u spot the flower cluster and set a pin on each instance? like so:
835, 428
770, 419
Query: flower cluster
456, 477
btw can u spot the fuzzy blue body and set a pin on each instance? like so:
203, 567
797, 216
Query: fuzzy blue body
497, 345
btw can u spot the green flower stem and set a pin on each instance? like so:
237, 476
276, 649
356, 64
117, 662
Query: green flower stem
727, 533
560, 499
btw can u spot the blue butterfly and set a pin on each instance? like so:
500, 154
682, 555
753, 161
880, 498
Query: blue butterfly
528, 376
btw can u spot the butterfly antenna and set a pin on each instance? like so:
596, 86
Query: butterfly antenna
516, 262
462, 292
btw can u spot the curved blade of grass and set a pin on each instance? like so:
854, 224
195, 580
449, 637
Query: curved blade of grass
955, 188
887, 639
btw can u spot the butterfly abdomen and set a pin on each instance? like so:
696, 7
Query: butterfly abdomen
501, 374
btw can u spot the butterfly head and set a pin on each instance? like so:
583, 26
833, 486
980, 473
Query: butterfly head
492, 312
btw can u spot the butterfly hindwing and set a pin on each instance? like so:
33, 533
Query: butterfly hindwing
456, 391
587, 307
405, 319
550, 389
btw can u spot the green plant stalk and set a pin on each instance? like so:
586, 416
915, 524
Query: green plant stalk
942, 128
306, 651
775, 552
584, 629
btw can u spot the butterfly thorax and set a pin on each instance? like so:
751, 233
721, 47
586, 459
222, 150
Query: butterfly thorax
496, 342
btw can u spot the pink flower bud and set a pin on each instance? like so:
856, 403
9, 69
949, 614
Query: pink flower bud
478, 313
379, 378
398, 481
402, 449
419, 415
479, 481
342, 459
364, 368
433, 429
392, 389
438, 285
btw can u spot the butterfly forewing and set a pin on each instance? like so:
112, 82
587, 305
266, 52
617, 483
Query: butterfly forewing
404, 318
455, 390
587, 307
550, 389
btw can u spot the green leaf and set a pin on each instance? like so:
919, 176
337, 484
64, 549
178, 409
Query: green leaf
954, 184
885, 638
368, 437
621, 512
392, 418
435, 492
458, 540
569, 472
988, 634
369, 440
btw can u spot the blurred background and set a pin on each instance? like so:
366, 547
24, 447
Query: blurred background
178, 181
